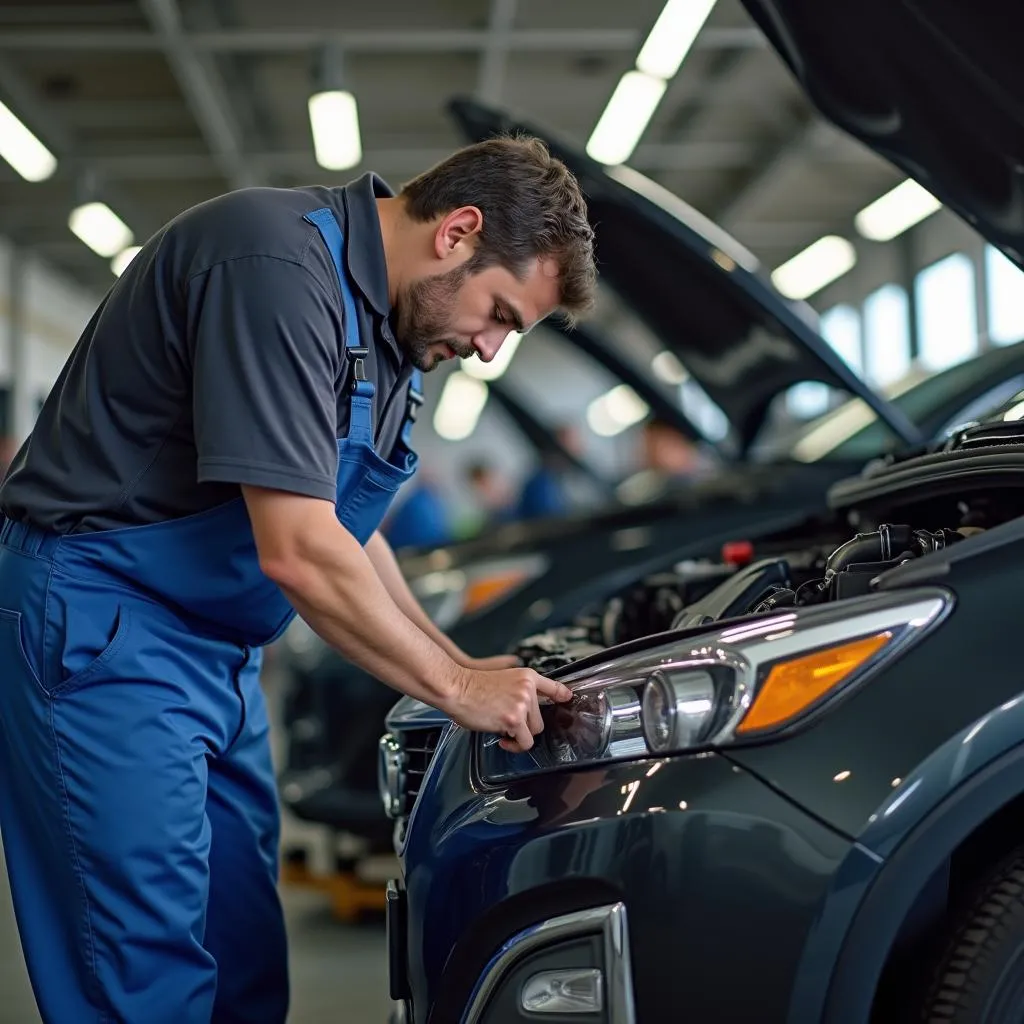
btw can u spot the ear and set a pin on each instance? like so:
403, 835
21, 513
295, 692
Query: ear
457, 233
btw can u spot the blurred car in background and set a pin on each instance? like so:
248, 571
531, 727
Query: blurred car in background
704, 300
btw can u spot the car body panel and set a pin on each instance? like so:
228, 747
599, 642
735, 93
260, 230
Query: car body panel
933, 87
752, 873
924, 741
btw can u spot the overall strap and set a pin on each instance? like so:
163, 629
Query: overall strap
361, 417
413, 403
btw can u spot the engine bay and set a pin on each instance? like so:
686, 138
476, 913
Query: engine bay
899, 509
747, 579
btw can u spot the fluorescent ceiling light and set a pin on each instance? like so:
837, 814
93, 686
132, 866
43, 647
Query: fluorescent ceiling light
631, 107
672, 36
100, 228
462, 401
900, 208
22, 150
668, 368
615, 411
818, 265
334, 120
119, 264
476, 367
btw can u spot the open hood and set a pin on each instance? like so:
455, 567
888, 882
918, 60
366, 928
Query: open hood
697, 289
934, 86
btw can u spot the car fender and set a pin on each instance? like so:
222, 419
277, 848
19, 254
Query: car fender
903, 845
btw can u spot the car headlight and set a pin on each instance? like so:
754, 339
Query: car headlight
448, 595
743, 683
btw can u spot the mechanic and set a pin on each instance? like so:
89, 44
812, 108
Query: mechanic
215, 457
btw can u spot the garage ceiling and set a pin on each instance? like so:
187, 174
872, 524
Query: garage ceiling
154, 105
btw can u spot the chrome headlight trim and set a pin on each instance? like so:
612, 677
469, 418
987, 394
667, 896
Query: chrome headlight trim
741, 654
391, 774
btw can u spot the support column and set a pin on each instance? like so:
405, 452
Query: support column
909, 266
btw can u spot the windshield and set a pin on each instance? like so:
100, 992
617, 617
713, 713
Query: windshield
935, 402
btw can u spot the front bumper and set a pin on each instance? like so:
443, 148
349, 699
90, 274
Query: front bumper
720, 878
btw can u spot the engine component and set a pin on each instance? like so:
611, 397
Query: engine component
851, 568
746, 589
654, 605
556, 648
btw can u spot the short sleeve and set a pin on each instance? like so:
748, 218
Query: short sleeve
265, 338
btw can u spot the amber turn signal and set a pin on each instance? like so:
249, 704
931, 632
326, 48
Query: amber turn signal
793, 686
485, 591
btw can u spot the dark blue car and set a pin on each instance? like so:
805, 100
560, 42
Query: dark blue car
803, 801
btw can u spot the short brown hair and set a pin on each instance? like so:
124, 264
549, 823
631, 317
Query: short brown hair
532, 207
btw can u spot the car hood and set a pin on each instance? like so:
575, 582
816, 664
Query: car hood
696, 288
933, 87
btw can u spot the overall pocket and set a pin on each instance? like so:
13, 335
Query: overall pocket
81, 637
13, 648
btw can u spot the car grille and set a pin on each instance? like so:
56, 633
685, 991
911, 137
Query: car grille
418, 746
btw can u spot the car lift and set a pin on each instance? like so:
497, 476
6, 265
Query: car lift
355, 884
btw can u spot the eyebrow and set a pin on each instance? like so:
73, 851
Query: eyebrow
514, 315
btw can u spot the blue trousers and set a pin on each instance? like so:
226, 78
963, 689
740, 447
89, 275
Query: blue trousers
138, 808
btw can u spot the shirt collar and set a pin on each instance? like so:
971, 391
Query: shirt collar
364, 245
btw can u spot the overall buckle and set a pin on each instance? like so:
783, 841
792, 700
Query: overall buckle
359, 354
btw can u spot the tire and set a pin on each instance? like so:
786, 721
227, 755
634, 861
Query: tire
980, 978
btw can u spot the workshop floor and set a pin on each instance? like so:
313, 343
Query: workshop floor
338, 972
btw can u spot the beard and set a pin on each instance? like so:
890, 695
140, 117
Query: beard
423, 318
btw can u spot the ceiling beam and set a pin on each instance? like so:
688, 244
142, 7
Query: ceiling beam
62, 142
163, 164
61, 14
203, 91
582, 40
180, 164
770, 164
494, 57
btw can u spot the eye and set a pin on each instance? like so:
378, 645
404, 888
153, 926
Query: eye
499, 317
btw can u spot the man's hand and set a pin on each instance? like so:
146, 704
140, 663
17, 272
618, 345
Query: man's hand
505, 702
492, 664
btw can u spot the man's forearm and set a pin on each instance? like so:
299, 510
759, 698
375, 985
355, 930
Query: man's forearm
335, 587
390, 573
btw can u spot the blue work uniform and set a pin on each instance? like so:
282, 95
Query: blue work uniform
138, 806
543, 495
421, 521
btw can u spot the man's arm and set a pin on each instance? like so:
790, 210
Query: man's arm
333, 585
390, 573
264, 337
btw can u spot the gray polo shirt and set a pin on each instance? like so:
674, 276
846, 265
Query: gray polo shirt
216, 360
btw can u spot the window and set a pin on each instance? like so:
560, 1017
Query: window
886, 334
946, 312
840, 327
1004, 286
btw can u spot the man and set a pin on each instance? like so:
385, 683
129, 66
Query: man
667, 458
548, 490
217, 455
423, 520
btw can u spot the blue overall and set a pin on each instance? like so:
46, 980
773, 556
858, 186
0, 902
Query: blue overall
138, 806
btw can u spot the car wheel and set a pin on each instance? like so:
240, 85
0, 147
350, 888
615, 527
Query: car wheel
980, 979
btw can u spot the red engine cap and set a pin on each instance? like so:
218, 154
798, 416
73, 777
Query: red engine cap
737, 552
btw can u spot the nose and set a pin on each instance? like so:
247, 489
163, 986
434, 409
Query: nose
487, 344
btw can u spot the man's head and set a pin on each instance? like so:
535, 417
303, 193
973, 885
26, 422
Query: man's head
666, 450
487, 485
492, 240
